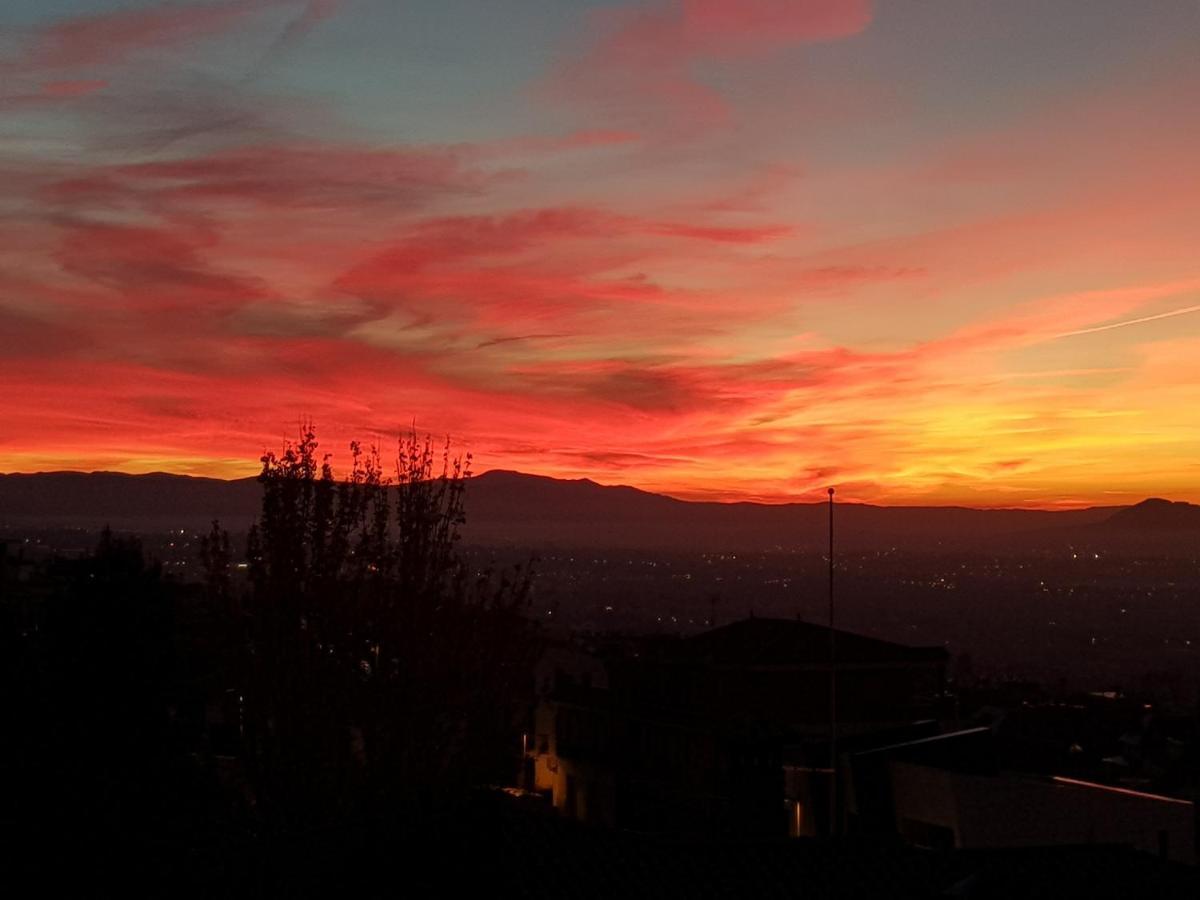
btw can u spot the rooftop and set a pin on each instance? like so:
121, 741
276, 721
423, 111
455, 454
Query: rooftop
784, 642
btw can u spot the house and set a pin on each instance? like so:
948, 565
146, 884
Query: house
948, 792
688, 735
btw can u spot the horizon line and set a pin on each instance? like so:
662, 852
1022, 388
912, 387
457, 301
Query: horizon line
682, 497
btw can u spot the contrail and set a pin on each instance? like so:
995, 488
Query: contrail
1175, 312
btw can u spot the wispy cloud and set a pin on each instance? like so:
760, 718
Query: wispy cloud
639, 64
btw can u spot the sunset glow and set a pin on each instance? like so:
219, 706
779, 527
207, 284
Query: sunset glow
936, 252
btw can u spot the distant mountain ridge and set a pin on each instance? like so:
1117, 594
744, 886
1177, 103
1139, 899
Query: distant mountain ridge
512, 508
516, 509
153, 500
1157, 514
582, 513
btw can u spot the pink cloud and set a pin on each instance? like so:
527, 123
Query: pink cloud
641, 67
73, 88
721, 234
105, 43
740, 27
155, 269
755, 191
111, 37
323, 175
580, 139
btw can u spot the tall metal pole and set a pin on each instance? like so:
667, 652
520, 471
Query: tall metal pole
833, 767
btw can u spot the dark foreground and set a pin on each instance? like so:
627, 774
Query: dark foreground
508, 847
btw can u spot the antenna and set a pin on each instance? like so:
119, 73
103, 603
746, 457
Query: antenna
833, 767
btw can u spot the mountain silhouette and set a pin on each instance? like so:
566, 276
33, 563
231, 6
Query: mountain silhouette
1157, 514
511, 508
136, 502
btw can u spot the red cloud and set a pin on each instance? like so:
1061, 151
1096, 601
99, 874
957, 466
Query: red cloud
478, 243
719, 234
473, 236
154, 269
73, 88
516, 273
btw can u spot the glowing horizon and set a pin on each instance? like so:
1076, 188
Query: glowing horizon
720, 249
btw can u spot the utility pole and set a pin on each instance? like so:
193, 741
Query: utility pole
833, 767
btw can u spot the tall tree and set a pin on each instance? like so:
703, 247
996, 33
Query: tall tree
381, 670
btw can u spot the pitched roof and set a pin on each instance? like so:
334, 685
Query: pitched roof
783, 642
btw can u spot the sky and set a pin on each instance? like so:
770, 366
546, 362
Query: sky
944, 252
